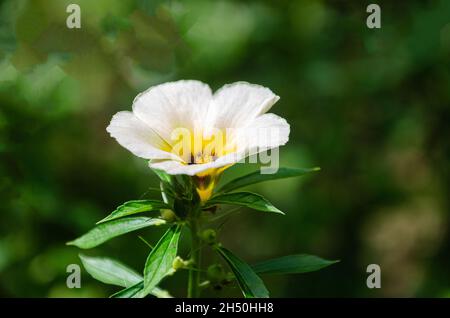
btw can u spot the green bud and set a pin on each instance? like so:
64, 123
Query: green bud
179, 263
168, 215
215, 273
209, 236
228, 278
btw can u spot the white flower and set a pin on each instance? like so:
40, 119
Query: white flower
236, 113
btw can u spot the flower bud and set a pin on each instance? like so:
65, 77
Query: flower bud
209, 236
215, 273
179, 263
168, 215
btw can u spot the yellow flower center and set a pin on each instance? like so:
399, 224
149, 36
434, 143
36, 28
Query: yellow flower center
194, 148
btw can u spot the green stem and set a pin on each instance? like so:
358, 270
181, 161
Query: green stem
194, 273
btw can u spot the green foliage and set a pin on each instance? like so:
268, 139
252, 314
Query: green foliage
163, 260
135, 290
110, 271
251, 285
257, 177
163, 176
133, 207
245, 199
106, 231
159, 261
131, 291
292, 264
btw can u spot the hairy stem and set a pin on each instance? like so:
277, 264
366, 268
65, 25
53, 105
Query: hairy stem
194, 273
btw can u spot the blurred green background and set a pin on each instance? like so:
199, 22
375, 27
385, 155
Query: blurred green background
370, 107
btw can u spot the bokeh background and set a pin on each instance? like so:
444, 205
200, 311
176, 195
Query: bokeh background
370, 107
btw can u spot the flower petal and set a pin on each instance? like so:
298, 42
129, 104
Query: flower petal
176, 167
181, 104
266, 132
133, 134
237, 104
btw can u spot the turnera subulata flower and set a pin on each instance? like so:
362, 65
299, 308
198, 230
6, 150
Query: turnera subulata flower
190, 135
184, 128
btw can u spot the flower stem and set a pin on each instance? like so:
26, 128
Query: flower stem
194, 273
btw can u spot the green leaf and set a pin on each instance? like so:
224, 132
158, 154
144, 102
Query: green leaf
247, 199
292, 264
129, 292
133, 291
162, 175
256, 177
106, 231
160, 293
110, 271
251, 285
133, 207
159, 261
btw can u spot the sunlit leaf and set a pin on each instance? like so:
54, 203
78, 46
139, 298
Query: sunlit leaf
292, 264
133, 207
251, 285
110, 271
159, 261
246, 199
257, 177
106, 231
